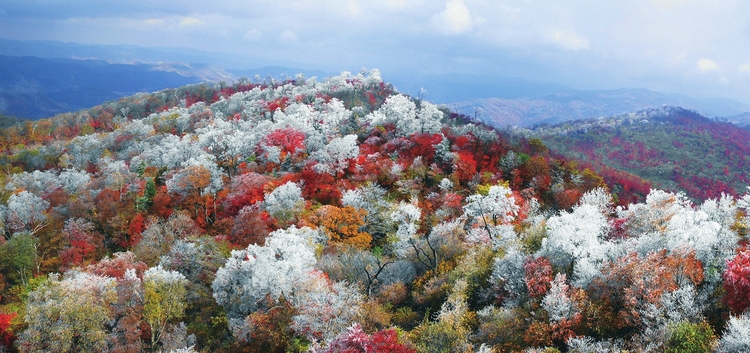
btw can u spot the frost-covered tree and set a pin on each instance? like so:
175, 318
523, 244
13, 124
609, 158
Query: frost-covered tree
407, 218
159, 235
508, 278
83, 150
371, 198
197, 175
26, 212
285, 201
575, 242
116, 174
402, 112
324, 309
256, 275
335, 156
557, 301
599, 198
736, 336
712, 242
227, 142
498, 206
38, 182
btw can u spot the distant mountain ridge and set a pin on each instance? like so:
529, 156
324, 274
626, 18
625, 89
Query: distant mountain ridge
32, 87
496, 100
578, 105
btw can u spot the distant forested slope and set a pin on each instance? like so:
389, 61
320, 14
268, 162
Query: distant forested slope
675, 148
34, 88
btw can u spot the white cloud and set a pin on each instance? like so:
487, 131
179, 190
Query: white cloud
154, 21
288, 37
455, 19
191, 21
745, 69
569, 40
253, 35
706, 65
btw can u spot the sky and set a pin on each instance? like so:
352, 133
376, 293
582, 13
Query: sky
695, 47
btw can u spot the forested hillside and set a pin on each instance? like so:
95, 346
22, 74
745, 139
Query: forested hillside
676, 149
342, 216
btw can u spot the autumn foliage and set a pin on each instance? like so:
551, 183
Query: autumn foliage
737, 282
340, 216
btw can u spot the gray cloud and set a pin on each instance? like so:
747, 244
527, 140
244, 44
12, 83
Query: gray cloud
697, 47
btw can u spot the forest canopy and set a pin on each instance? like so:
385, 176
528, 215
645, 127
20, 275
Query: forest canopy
342, 216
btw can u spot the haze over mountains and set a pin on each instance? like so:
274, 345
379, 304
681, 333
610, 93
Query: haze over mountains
42, 78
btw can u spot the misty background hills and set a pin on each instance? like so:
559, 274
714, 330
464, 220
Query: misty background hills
43, 78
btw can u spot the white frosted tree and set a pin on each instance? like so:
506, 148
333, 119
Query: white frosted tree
498, 206
713, 241
599, 198
403, 113
325, 309
575, 241
26, 212
407, 218
335, 156
736, 337
227, 142
257, 274
508, 277
371, 198
285, 202
557, 301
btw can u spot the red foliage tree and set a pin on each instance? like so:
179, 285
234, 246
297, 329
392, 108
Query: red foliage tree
539, 275
250, 226
465, 167
135, 228
162, 204
83, 242
737, 282
355, 340
6, 335
290, 141
320, 187
566, 199
247, 189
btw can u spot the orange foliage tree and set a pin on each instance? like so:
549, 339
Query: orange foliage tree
342, 225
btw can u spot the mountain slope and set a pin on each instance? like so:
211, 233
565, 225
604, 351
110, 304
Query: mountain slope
299, 215
677, 149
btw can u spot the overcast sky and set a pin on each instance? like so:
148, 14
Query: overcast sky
696, 47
